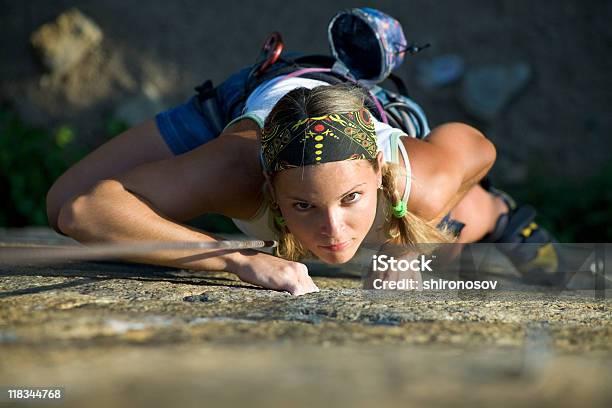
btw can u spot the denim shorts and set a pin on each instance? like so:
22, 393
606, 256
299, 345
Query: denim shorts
197, 121
453, 226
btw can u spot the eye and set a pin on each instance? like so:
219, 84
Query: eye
352, 197
301, 206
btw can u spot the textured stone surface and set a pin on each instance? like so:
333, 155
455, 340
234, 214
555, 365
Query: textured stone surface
140, 107
120, 334
487, 90
62, 43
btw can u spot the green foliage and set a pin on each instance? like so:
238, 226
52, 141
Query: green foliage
573, 212
64, 136
115, 126
30, 160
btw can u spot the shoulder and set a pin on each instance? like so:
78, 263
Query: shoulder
438, 165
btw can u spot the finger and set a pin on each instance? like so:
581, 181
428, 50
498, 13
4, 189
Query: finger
304, 286
307, 285
307, 281
297, 287
311, 285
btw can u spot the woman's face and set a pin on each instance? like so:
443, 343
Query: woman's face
329, 207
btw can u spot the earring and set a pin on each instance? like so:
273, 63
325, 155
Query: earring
380, 186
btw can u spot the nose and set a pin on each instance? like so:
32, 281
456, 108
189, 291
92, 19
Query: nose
332, 222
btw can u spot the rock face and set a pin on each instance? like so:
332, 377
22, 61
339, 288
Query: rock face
487, 90
140, 107
117, 334
62, 43
440, 71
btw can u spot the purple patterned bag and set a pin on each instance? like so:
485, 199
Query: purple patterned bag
368, 42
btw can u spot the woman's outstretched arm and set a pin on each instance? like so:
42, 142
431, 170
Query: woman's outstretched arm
121, 216
148, 202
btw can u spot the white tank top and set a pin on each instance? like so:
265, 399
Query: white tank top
258, 106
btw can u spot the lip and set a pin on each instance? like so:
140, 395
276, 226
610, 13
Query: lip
336, 247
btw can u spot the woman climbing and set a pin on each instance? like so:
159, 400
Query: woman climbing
309, 157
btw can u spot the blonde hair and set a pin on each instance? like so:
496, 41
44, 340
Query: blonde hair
301, 103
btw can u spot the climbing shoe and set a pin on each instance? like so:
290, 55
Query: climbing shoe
531, 249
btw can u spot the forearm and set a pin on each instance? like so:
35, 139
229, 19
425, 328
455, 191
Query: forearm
111, 214
465, 186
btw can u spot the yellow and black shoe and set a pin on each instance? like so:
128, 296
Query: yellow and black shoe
531, 249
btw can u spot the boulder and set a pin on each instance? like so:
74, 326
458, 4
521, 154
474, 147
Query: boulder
440, 71
486, 90
62, 44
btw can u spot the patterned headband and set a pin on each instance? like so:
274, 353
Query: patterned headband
322, 139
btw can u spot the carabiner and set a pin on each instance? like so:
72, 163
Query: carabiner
270, 52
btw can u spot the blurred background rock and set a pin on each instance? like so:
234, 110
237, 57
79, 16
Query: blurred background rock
533, 76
